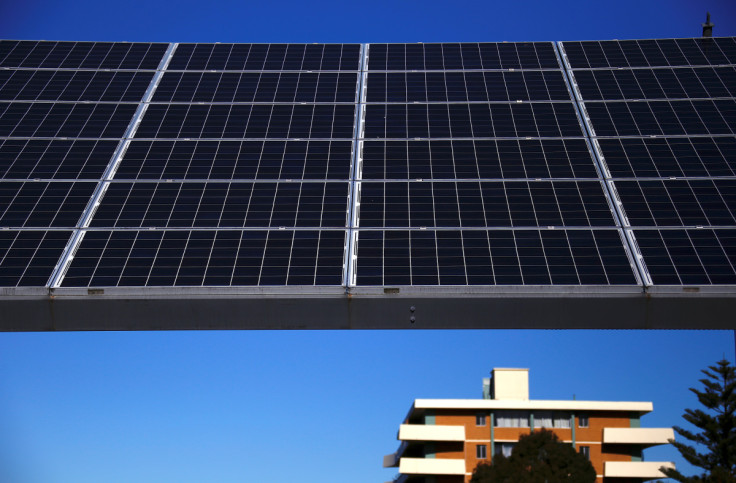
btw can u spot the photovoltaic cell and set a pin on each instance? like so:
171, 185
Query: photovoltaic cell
470, 86
28, 257
257, 87
70, 85
38, 204
465, 56
244, 160
54, 159
492, 257
223, 205
689, 257
471, 120
80, 55
266, 57
477, 159
208, 258
678, 83
679, 202
663, 118
651, 53
484, 204
670, 157
45, 119
248, 121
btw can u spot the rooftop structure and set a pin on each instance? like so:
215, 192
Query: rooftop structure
443, 440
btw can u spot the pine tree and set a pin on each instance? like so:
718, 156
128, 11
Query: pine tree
717, 429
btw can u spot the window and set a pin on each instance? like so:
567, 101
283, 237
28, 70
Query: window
480, 451
480, 419
548, 419
504, 449
585, 451
543, 419
512, 419
562, 420
583, 420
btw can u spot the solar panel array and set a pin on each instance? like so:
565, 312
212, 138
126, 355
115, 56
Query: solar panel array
662, 115
376, 165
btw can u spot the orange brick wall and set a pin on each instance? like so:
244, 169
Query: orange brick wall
475, 435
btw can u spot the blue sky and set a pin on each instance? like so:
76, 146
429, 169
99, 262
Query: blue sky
312, 406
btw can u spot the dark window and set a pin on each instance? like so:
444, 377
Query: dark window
480, 419
585, 451
480, 451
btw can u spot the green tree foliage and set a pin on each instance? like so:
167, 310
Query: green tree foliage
539, 457
717, 425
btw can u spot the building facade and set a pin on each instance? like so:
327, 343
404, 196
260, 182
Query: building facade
443, 440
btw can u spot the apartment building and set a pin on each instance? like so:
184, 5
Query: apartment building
443, 440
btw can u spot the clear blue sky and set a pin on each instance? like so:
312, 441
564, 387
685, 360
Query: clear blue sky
312, 406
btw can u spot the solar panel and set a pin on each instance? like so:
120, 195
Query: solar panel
663, 118
651, 53
43, 119
80, 55
465, 56
43, 204
223, 205
469, 86
265, 57
237, 160
517, 120
660, 83
178, 258
493, 257
69, 85
54, 158
484, 204
670, 157
689, 257
516, 179
239, 121
268, 87
478, 159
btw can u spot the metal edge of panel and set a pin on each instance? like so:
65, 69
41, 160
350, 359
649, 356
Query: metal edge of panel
355, 174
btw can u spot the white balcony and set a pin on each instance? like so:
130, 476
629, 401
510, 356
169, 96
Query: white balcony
642, 436
635, 469
420, 432
431, 466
